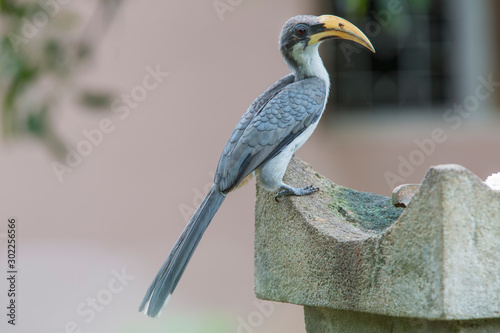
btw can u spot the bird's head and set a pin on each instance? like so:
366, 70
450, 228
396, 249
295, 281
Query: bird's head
302, 34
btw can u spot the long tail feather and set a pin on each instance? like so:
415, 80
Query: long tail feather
167, 278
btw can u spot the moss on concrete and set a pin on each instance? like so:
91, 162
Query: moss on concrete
369, 211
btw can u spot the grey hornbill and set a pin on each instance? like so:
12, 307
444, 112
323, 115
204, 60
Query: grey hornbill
277, 123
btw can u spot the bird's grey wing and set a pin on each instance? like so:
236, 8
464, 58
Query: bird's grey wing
282, 119
249, 115
254, 109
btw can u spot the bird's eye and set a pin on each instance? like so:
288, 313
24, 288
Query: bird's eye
301, 30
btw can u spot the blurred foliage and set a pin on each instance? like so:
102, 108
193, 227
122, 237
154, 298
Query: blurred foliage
212, 322
370, 9
363, 7
96, 99
42, 44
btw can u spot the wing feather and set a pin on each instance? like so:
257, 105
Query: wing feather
268, 127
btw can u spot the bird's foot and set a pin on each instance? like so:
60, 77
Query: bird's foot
295, 191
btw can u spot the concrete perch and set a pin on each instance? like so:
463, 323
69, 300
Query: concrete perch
359, 264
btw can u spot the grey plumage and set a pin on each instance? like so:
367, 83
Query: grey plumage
274, 120
277, 123
167, 278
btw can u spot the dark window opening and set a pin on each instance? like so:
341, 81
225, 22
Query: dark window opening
411, 69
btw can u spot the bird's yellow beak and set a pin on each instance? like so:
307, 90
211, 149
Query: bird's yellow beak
337, 27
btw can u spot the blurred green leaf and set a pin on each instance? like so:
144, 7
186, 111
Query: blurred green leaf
54, 55
421, 6
12, 8
96, 99
23, 76
357, 7
31, 66
37, 123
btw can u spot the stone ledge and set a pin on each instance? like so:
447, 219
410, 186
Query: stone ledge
322, 320
347, 250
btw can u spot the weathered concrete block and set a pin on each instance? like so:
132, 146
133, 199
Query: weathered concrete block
323, 320
437, 259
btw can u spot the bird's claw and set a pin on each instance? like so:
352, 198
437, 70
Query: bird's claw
296, 191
